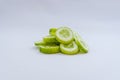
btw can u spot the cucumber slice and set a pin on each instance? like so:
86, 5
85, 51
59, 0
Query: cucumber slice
69, 49
49, 49
64, 35
38, 43
50, 40
52, 31
79, 41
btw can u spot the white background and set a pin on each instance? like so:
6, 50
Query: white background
22, 22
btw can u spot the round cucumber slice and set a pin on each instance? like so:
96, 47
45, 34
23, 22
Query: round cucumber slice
52, 31
50, 40
69, 49
64, 35
49, 49
79, 41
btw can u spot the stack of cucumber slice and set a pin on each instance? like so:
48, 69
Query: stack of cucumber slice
62, 40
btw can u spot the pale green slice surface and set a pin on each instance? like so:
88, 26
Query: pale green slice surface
64, 35
69, 49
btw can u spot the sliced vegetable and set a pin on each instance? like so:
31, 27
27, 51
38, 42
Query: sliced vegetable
70, 49
50, 49
82, 45
64, 35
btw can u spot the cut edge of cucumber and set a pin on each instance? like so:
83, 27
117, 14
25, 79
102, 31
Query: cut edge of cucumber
82, 45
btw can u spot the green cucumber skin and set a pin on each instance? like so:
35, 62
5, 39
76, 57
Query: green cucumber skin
38, 43
49, 49
52, 31
50, 40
